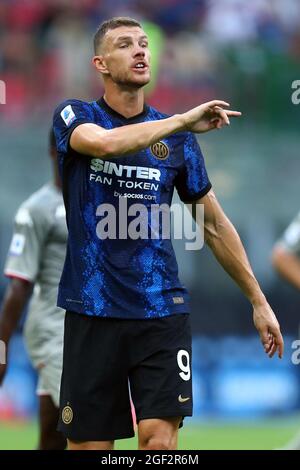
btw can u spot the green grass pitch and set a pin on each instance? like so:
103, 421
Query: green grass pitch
267, 434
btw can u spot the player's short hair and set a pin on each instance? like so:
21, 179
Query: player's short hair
52, 141
113, 23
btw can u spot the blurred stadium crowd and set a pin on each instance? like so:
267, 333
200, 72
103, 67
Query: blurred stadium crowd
246, 52
208, 46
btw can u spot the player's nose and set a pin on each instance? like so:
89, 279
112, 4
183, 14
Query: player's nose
138, 52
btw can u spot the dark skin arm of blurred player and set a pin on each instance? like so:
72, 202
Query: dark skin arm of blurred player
287, 265
95, 141
15, 299
225, 243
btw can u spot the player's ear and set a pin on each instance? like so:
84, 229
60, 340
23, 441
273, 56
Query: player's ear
100, 64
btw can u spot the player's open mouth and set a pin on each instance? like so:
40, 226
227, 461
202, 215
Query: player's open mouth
140, 67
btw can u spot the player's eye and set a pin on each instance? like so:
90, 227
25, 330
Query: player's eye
123, 45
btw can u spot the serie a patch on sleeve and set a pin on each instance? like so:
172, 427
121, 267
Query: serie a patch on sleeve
68, 115
17, 244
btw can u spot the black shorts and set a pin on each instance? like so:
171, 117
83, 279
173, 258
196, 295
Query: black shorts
103, 355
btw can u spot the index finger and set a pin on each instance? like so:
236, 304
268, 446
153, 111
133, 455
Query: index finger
229, 112
217, 103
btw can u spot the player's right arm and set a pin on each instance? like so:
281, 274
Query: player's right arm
15, 299
22, 266
286, 254
92, 140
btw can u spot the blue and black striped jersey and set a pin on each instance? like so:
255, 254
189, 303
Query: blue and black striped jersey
120, 275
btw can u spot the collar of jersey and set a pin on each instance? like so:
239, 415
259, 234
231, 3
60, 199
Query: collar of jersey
138, 117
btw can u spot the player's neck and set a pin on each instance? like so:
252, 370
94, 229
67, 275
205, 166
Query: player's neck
128, 103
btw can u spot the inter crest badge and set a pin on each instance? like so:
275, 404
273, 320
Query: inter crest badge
67, 415
160, 150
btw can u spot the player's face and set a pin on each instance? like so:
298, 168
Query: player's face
126, 56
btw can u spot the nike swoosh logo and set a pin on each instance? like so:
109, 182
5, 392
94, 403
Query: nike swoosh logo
183, 400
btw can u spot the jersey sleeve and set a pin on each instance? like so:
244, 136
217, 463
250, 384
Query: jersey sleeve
30, 231
192, 181
67, 116
290, 239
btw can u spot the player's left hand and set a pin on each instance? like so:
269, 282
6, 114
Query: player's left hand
268, 328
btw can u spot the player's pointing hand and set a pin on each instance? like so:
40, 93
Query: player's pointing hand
208, 116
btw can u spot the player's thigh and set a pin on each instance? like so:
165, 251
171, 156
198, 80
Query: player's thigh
94, 400
161, 382
158, 434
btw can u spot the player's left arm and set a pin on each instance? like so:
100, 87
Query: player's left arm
225, 243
